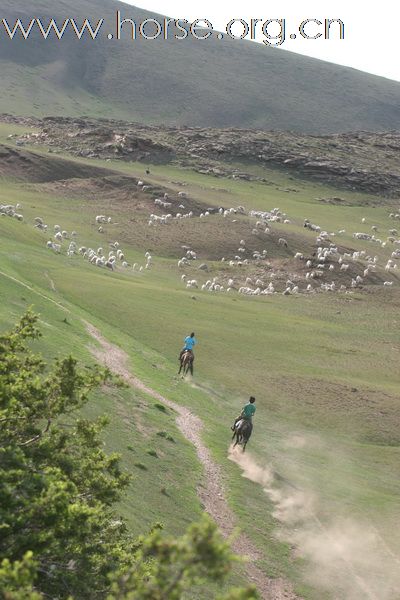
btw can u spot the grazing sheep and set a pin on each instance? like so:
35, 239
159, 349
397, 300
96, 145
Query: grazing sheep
362, 236
282, 242
52, 246
311, 226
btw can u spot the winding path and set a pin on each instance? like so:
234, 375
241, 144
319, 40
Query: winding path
211, 492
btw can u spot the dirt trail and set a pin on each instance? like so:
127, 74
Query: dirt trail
211, 492
30, 288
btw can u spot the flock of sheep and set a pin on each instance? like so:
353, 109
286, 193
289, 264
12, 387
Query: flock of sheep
309, 277
9, 210
97, 257
327, 259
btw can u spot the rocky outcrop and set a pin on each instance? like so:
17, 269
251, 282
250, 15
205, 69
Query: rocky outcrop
362, 161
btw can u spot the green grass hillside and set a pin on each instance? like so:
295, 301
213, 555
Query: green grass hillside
189, 82
323, 507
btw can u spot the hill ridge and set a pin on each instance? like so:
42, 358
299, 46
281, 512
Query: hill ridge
233, 83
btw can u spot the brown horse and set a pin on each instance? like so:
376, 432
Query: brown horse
186, 363
242, 433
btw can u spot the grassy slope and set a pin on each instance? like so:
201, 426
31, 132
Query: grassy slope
278, 90
299, 356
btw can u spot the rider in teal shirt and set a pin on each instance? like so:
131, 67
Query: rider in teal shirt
247, 413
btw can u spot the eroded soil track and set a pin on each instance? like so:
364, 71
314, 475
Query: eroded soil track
211, 492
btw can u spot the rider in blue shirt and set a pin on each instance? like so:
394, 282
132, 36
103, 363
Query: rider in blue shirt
190, 341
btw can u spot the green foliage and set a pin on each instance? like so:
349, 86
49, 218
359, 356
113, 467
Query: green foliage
140, 466
152, 452
59, 536
56, 483
166, 436
167, 566
17, 579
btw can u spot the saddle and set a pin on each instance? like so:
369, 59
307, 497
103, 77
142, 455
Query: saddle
239, 424
189, 352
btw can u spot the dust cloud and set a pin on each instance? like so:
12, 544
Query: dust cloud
347, 559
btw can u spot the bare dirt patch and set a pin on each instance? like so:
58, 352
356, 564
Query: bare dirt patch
28, 166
